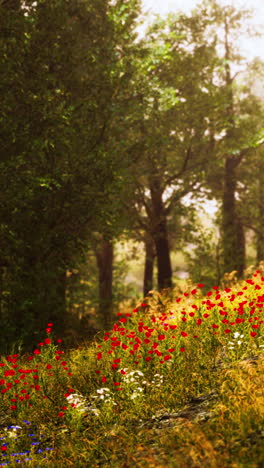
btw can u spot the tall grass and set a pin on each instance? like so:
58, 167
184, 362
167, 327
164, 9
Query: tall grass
103, 404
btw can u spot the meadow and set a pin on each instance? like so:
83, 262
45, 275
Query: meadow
178, 382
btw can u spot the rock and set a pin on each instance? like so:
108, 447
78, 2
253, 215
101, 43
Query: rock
198, 409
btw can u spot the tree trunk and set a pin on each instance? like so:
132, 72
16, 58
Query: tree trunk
218, 264
149, 265
233, 243
230, 231
241, 249
104, 257
160, 237
163, 256
260, 249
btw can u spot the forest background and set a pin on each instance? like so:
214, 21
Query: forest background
110, 142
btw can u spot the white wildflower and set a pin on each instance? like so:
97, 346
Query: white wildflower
237, 335
102, 390
136, 372
11, 430
81, 403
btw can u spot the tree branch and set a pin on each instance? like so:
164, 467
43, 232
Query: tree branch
253, 228
183, 169
177, 196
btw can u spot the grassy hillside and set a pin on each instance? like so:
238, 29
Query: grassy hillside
177, 382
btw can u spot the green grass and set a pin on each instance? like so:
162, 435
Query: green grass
150, 367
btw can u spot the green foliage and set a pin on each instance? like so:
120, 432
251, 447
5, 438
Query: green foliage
203, 250
204, 262
121, 289
196, 385
62, 114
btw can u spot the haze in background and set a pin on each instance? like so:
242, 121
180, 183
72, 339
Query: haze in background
250, 47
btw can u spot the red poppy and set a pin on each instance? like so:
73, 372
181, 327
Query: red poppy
167, 357
161, 337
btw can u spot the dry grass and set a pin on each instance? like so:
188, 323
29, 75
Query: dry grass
182, 390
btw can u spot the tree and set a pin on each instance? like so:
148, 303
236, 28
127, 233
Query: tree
176, 106
196, 125
239, 133
104, 252
124, 16
61, 72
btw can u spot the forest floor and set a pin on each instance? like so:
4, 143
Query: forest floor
177, 382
